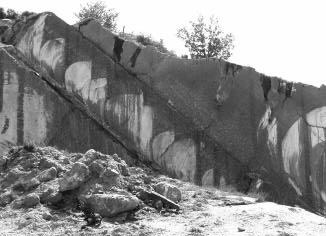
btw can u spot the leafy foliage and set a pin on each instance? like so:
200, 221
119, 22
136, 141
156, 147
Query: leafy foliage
147, 40
13, 15
99, 11
206, 40
2, 13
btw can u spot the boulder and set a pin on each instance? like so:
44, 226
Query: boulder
49, 192
106, 170
46, 163
72, 179
6, 198
48, 174
13, 175
26, 184
92, 155
123, 168
97, 168
111, 204
169, 191
116, 157
27, 201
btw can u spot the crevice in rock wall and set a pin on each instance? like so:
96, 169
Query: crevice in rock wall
134, 56
117, 49
266, 84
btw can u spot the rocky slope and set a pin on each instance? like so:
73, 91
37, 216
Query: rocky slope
49, 192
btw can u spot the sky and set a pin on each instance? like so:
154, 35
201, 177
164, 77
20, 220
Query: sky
283, 38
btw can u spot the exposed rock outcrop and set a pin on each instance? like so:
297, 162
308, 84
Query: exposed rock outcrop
206, 121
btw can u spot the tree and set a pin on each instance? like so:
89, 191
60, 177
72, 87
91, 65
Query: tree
26, 14
206, 40
2, 13
99, 11
14, 15
147, 40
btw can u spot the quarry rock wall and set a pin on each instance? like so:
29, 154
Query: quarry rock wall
31, 111
206, 121
143, 119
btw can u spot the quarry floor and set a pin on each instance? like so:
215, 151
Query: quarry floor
205, 211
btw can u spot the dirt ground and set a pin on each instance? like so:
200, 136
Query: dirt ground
205, 211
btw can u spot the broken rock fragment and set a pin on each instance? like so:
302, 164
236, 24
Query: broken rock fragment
26, 184
72, 179
6, 198
48, 174
49, 192
168, 190
46, 163
151, 196
27, 201
111, 204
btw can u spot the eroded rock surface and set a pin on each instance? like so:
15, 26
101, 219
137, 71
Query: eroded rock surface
206, 121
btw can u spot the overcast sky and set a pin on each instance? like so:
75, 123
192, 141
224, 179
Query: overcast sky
284, 38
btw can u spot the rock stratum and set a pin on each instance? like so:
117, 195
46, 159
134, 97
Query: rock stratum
206, 121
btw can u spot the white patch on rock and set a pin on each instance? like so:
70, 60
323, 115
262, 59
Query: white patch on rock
129, 110
317, 136
97, 90
52, 51
292, 154
35, 118
180, 159
317, 121
208, 178
317, 117
271, 128
160, 144
292, 148
8, 115
296, 188
146, 127
78, 79
323, 195
30, 44
272, 137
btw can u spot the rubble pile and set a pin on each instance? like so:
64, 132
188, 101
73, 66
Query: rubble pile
92, 182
